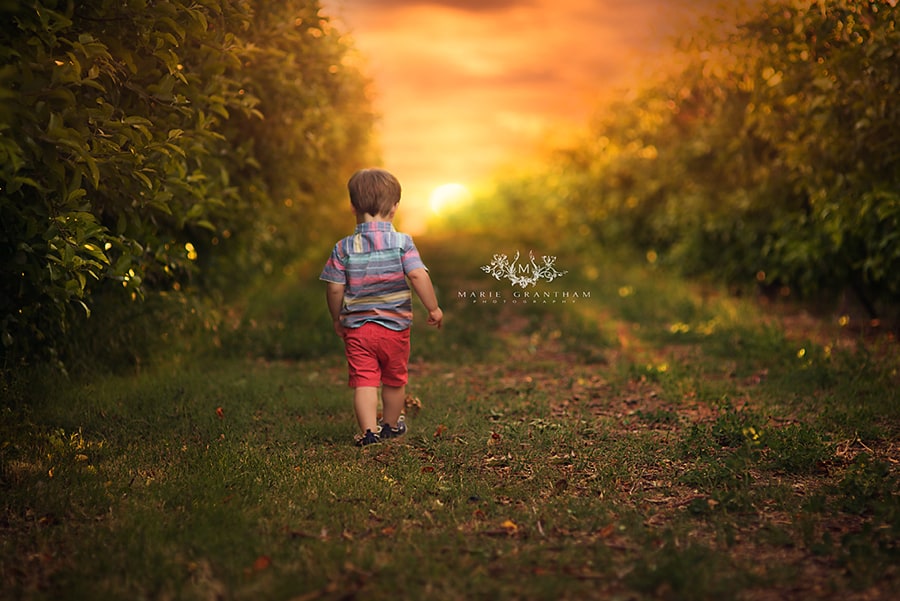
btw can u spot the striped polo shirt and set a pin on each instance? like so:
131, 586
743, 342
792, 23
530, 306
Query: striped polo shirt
372, 265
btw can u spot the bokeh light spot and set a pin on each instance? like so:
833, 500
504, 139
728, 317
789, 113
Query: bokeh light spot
447, 196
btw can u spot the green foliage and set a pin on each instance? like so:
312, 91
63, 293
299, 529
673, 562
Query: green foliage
797, 449
867, 486
821, 105
686, 570
769, 159
153, 147
285, 321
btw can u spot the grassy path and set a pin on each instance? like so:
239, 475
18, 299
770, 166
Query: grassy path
644, 439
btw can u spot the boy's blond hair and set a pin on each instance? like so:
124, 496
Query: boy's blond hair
373, 191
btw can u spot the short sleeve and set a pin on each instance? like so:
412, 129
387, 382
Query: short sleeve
334, 270
410, 257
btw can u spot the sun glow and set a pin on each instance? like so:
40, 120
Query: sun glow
448, 196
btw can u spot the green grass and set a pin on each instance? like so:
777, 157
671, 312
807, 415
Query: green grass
656, 441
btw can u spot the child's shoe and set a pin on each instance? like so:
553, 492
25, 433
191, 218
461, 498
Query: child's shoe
368, 438
391, 432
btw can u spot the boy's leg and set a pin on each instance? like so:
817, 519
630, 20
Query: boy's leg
394, 374
365, 403
393, 398
364, 377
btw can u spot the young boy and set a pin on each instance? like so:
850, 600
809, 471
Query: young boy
371, 303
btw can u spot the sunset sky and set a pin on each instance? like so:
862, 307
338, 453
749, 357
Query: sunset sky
467, 88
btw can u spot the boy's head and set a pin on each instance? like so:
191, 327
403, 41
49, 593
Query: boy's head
374, 191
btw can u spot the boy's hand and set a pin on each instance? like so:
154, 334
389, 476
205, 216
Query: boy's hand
334, 294
436, 318
338, 328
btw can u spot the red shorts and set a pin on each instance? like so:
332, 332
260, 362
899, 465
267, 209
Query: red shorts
377, 355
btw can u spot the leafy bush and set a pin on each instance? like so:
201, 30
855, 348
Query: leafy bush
767, 160
157, 146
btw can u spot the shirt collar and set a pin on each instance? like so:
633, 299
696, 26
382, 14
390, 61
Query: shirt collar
374, 226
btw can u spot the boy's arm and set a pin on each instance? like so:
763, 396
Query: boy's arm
334, 295
421, 283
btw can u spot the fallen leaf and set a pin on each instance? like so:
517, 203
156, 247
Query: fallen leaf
507, 528
220, 412
412, 405
440, 430
262, 562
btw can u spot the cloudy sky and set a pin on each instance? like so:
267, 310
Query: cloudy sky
466, 88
